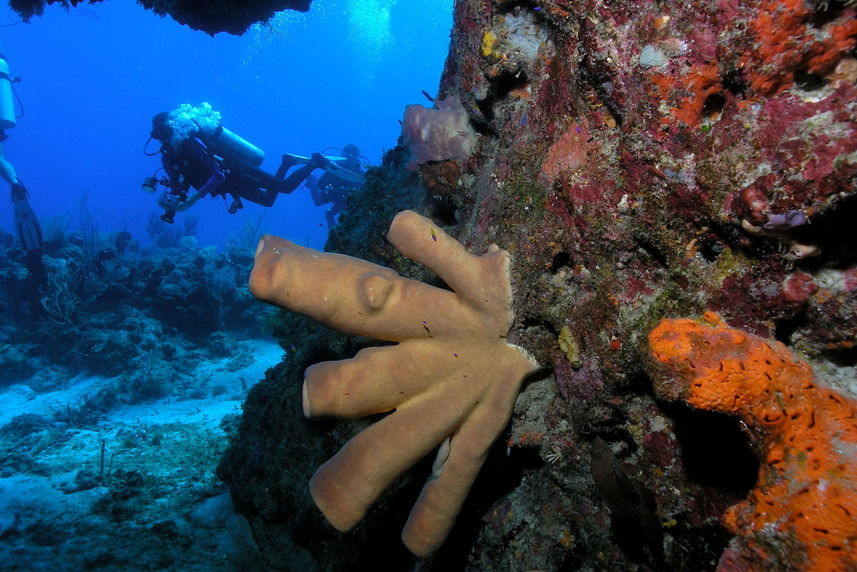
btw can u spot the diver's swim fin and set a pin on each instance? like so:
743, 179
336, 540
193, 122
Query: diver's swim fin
26, 223
297, 159
331, 167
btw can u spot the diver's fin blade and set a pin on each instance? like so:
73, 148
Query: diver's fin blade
27, 225
299, 159
332, 166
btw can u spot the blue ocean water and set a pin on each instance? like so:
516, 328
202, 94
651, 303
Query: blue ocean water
123, 363
92, 78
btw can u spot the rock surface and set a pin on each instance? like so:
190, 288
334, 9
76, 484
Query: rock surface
639, 160
210, 17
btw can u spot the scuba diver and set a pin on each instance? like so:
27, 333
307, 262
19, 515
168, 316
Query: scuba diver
198, 152
26, 224
342, 175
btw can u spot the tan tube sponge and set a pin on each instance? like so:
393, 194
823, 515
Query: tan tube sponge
450, 381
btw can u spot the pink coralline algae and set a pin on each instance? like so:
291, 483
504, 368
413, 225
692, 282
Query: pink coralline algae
568, 153
798, 287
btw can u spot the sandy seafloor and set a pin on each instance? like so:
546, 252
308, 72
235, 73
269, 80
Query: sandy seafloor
152, 500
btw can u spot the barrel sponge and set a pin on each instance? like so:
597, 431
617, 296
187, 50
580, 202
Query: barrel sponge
451, 380
439, 134
803, 511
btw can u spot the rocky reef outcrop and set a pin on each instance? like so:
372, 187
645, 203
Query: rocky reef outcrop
210, 17
640, 161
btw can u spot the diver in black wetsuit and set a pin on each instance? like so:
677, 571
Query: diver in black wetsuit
193, 163
342, 175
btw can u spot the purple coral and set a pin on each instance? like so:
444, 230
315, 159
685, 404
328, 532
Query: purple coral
785, 221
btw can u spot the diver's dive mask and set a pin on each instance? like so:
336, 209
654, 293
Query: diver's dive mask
161, 131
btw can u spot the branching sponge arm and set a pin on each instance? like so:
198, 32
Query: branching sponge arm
452, 379
354, 296
482, 281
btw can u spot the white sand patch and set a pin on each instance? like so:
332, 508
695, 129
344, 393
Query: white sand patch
107, 494
19, 398
209, 411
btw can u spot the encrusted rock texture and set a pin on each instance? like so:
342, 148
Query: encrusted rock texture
640, 160
231, 16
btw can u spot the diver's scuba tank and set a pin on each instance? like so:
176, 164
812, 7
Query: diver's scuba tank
235, 144
7, 100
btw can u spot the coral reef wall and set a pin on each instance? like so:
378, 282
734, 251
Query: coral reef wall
640, 160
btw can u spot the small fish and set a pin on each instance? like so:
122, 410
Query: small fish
433, 235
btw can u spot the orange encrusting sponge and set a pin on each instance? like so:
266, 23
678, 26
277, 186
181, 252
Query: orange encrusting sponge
805, 435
